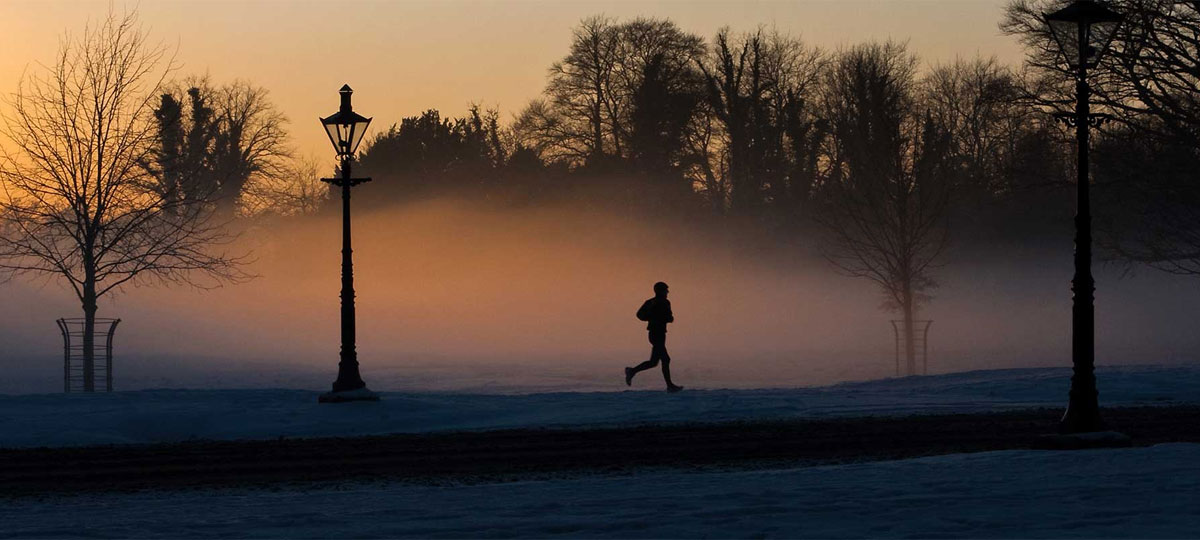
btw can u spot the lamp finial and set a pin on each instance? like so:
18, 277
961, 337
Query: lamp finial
346, 91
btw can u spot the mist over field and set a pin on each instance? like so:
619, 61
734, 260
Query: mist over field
461, 296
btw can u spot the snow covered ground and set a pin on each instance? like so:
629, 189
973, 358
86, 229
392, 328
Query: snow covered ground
1126, 493
168, 415
1116, 493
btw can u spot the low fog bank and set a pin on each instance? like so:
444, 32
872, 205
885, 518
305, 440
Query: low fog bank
455, 296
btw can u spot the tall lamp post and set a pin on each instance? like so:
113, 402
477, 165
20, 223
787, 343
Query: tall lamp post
1083, 30
345, 129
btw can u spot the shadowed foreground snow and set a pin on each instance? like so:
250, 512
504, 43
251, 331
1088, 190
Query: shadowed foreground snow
149, 416
1129, 493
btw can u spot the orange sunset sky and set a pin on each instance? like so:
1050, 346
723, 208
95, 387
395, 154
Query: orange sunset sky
405, 56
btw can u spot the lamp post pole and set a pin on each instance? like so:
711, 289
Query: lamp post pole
348, 377
345, 131
1083, 31
1083, 408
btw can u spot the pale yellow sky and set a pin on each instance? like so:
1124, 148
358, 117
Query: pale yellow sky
405, 56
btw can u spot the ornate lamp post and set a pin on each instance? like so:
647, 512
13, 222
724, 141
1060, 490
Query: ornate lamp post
345, 129
1083, 31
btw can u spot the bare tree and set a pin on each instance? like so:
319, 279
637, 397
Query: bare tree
182, 164
298, 190
546, 130
977, 102
760, 89
885, 202
579, 93
78, 202
648, 45
586, 114
1150, 199
705, 160
735, 86
1149, 179
1151, 70
214, 140
251, 141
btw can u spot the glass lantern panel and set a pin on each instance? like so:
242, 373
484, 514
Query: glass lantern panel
1101, 36
345, 133
357, 130
332, 131
1066, 34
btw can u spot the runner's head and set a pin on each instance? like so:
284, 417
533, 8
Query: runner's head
660, 289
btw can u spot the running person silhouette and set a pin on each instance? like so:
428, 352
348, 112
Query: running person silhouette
657, 313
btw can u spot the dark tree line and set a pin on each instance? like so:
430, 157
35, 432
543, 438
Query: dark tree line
429, 155
739, 125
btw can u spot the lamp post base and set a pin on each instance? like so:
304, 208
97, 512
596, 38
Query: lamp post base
360, 394
1083, 441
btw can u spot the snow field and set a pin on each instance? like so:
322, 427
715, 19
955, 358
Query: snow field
152, 416
1121, 493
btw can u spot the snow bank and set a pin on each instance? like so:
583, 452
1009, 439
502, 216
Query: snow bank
1126, 493
148, 416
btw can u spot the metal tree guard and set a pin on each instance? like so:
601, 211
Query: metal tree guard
920, 336
74, 377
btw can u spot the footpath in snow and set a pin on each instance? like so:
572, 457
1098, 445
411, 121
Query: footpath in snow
169, 415
1126, 493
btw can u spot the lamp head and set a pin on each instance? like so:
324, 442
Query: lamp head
1083, 31
345, 127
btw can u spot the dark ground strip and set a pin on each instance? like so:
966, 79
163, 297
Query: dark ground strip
523, 453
